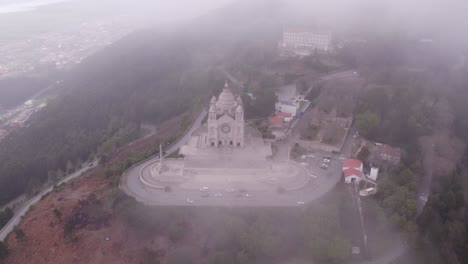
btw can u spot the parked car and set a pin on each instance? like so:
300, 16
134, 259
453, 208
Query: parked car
204, 189
324, 166
189, 200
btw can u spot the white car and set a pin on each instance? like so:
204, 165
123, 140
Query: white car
204, 189
189, 200
300, 202
423, 198
248, 195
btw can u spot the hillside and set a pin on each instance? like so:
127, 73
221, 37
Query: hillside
149, 76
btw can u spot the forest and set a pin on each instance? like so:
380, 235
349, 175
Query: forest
148, 76
424, 113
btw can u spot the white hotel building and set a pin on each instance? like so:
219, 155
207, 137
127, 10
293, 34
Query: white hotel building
304, 42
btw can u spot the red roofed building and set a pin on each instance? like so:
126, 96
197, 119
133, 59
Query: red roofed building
383, 153
352, 164
279, 118
352, 175
352, 170
275, 120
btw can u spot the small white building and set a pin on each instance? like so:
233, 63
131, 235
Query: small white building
287, 107
352, 176
374, 173
352, 170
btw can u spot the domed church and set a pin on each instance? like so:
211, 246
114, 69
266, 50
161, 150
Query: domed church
226, 121
225, 134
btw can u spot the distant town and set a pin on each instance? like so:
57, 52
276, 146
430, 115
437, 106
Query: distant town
61, 49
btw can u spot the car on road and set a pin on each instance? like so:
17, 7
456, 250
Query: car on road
189, 200
324, 166
230, 190
300, 202
423, 198
204, 189
248, 195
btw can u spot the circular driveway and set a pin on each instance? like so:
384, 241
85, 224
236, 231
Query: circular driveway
317, 186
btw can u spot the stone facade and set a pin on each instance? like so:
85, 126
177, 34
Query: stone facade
225, 121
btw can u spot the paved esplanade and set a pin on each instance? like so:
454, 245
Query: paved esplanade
226, 164
314, 189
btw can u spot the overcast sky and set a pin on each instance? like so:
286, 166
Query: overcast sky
430, 17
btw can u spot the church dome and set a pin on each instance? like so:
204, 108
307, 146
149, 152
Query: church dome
226, 100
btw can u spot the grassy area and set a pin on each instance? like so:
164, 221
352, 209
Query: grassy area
311, 133
174, 155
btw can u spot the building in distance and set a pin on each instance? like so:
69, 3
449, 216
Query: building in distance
383, 154
304, 42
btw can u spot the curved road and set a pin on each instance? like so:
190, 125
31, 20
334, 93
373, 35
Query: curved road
16, 219
317, 187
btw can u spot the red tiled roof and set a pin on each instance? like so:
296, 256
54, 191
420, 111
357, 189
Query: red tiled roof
352, 172
283, 114
384, 149
352, 163
274, 120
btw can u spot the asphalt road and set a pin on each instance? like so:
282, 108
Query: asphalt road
317, 187
16, 219
198, 122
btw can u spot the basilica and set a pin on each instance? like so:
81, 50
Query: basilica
225, 121
225, 133
224, 153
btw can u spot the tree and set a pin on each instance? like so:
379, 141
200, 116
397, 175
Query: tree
3, 250
183, 255
57, 213
19, 233
367, 123
148, 256
364, 153
222, 258
5, 216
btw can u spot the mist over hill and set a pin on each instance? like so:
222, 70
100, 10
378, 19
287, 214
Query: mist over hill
413, 90
150, 75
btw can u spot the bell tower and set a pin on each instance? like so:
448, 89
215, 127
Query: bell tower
239, 126
212, 124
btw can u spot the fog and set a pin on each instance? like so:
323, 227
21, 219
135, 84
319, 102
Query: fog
115, 80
